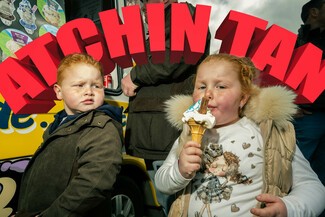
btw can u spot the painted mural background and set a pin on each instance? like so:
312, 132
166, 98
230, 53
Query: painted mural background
22, 21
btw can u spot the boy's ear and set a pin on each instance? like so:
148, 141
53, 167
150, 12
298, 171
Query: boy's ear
57, 90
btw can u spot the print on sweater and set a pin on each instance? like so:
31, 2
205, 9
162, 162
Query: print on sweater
222, 172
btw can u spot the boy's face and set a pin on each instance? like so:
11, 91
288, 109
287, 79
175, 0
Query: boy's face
218, 80
81, 89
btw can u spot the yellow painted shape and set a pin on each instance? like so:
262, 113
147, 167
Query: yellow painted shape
15, 143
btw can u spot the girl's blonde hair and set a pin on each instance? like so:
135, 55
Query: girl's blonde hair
73, 59
246, 69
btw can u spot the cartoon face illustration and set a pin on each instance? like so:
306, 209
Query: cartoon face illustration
219, 166
7, 9
51, 15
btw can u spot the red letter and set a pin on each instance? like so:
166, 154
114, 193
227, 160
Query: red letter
307, 73
21, 87
156, 29
271, 51
236, 32
44, 52
82, 36
132, 29
196, 32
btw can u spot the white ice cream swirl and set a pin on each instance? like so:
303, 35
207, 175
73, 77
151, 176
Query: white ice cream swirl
207, 120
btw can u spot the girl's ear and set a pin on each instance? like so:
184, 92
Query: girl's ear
58, 92
243, 100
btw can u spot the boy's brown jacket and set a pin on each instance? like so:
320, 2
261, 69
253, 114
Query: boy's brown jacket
73, 171
271, 109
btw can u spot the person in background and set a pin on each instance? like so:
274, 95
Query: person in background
310, 130
74, 169
148, 134
248, 163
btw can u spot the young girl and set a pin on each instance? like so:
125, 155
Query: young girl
248, 163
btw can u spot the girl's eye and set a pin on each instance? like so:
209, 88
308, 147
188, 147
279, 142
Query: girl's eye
201, 88
220, 87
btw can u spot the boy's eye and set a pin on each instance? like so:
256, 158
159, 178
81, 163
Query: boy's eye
97, 85
78, 85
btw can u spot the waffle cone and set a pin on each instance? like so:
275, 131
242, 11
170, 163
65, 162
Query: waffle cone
197, 130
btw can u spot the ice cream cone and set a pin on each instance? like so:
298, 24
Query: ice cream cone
197, 130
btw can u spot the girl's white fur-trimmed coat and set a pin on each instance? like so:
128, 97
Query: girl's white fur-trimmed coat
271, 109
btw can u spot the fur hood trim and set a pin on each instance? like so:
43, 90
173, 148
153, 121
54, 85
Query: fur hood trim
270, 103
175, 107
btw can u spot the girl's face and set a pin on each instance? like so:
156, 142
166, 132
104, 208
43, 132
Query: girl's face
218, 80
81, 89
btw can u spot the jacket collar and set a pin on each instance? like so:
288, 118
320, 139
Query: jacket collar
62, 117
270, 103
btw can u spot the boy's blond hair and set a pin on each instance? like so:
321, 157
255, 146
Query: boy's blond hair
73, 59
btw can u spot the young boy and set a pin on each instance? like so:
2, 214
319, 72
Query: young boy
74, 169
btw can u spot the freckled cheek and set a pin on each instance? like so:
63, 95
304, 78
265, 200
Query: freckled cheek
215, 112
101, 94
197, 96
221, 102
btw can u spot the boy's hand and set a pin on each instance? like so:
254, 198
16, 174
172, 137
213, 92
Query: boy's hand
274, 206
190, 159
